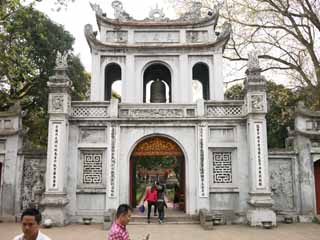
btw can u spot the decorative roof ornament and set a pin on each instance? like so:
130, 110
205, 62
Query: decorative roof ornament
253, 60
119, 12
156, 14
61, 61
96, 8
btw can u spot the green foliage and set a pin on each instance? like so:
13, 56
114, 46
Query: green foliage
28, 50
281, 106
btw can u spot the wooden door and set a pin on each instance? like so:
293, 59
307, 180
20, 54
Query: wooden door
317, 184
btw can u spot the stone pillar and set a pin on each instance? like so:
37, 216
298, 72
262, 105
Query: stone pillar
260, 201
305, 134
59, 107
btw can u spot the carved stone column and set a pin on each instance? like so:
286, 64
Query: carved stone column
260, 201
59, 107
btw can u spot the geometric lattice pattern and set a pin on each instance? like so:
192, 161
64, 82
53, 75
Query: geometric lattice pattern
92, 112
222, 167
219, 111
92, 168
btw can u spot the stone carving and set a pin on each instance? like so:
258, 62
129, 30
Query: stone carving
259, 155
119, 12
92, 168
202, 164
152, 113
156, 14
89, 112
197, 36
33, 184
222, 167
61, 60
225, 33
257, 103
219, 111
156, 37
253, 60
57, 103
112, 170
281, 183
117, 36
92, 135
55, 154
96, 8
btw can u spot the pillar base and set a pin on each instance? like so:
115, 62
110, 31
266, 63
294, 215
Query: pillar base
54, 204
260, 213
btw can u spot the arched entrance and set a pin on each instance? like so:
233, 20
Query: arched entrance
317, 184
158, 158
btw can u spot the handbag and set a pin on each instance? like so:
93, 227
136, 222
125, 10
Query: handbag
141, 208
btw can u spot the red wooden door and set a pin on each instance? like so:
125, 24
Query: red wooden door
317, 184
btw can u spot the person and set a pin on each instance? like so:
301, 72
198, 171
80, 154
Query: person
30, 221
118, 229
161, 203
151, 197
176, 198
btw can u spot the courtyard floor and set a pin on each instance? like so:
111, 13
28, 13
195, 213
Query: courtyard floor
176, 232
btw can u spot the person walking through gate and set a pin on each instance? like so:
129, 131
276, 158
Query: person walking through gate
151, 197
161, 203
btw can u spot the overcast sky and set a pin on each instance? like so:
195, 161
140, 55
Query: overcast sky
79, 13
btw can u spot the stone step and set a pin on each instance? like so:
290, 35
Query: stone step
178, 219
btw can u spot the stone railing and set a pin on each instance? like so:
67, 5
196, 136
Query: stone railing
89, 109
224, 109
157, 110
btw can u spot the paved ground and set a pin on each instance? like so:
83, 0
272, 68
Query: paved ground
177, 232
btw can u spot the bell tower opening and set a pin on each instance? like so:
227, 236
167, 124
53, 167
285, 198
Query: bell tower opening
157, 84
112, 81
200, 76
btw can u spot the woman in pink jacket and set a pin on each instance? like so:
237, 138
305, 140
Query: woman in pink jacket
151, 197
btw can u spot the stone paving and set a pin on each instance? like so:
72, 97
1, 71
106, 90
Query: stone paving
177, 232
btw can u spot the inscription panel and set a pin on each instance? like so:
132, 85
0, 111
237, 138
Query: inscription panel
222, 134
157, 36
92, 135
197, 36
117, 36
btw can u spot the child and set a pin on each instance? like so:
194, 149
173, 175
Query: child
161, 203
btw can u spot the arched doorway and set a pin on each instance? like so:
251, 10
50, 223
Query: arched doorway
317, 184
158, 158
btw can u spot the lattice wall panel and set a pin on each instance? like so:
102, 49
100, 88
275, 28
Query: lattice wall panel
219, 111
92, 168
222, 167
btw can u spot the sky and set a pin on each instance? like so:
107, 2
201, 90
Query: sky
79, 13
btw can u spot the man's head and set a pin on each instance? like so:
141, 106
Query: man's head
123, 214
30, 220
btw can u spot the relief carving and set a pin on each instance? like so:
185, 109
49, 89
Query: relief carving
281, 183
257, 104
33, 184
57, 104
152, 113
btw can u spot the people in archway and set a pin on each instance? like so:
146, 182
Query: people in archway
176, 198
151, 197
161, 203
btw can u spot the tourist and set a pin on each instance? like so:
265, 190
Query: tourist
151, 197
176, 198
30, 221
161, 203
118, 229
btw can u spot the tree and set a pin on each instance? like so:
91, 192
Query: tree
281, 107
285, 32
28, 50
